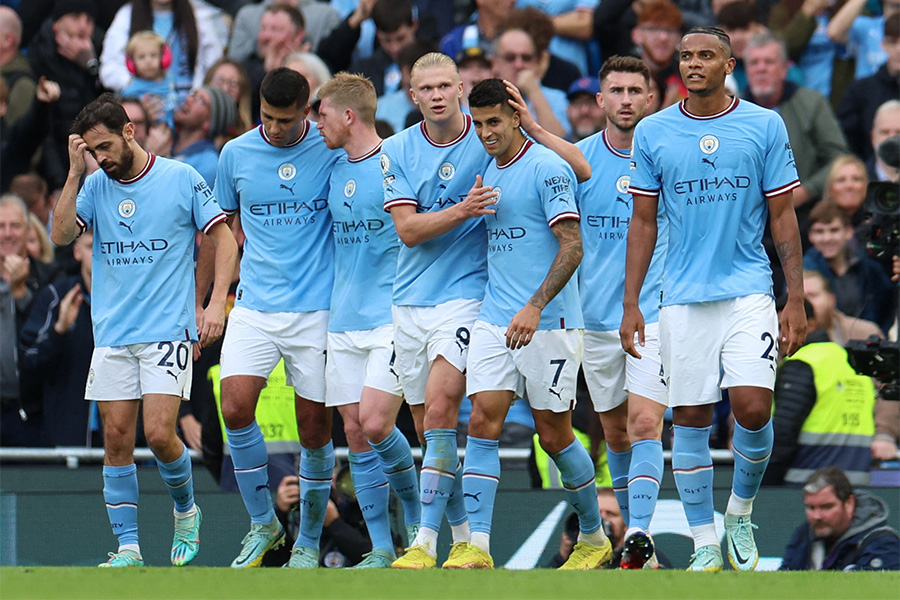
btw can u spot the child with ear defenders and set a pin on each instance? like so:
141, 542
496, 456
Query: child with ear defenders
148, 59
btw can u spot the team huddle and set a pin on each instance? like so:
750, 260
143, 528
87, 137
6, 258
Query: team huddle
472, 254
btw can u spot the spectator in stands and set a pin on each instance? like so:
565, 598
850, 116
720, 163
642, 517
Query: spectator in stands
815, 135
862, 34
845, 185
20, 141
585, 115
845, 529
190, 35
14, 67
839, 327
153, 137
824, 413
474, 66
37, 242
57, 342
657, 35
573, 21
148, 58
856, 111
481, 30
614, 21
554, 72
281, 32
229, 76
398, 108
885, 125
20, 281
313, 68
320, 19
516, 58
337, 50
65, 51
32, 188
205, 115
862, 288
395, 28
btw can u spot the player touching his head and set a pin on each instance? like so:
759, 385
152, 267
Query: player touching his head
527, 341
720, 167
145, 212
276, 178
628, 392
359, 372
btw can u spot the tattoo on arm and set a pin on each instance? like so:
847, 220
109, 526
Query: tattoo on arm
568, 234
788, 255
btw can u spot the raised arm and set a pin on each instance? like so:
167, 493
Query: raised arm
414, 228
786, 235
568, 257
641, 243
65, 226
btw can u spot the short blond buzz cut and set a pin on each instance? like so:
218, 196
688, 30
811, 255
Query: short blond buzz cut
349, 90
433, 60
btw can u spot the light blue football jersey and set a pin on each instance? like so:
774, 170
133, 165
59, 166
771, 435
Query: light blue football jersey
431, 176
537, 190
282, 195
714, 175
605, 206
143, 254
365, 246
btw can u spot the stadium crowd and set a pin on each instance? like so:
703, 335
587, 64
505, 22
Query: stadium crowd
189, 73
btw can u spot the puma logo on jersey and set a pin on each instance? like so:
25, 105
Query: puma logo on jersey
126, 226
349, 206
622, 200
712, 163
288, 188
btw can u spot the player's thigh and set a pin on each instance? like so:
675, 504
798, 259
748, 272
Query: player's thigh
302, 342
690, 341
645, 376
604, 369
248, 348
550, 366
750, 350
490, 365
119, 418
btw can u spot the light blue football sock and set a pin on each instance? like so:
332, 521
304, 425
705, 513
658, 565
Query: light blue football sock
120, 491
372, 493
316, 470
481, 476
456, 505
400, 469
693, 470
752, 450
578, 474
251, 463
438, 475
643, 481
619, 463
177, 477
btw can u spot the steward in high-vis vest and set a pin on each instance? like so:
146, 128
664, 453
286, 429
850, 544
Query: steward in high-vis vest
823, 416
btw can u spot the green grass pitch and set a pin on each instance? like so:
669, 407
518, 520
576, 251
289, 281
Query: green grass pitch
74, 583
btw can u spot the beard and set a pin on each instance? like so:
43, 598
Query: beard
121, 168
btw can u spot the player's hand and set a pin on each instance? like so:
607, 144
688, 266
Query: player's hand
288, 493
14, 270
77, 148
792, 327
211, 323
477, 201
192, 432
68, 309
522, 327
632, 323
47, 91
526, 119
884, 449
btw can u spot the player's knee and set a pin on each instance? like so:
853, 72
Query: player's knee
236, 415
482, 425
643, 426
554, 441
376, 427
159, 437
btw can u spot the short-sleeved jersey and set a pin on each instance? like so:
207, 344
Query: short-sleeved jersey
714, 175
430, 176
365, 246
537, 190
282, 196
142, 287
606, 206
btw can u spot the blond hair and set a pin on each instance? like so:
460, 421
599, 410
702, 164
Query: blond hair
34, 224
433, 60
356, 92
144, 36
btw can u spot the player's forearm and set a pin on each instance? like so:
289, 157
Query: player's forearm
578, 24
206, 267
786, 235
65, 225
568, 151
642, 233
416, 228
564, 264
226, 258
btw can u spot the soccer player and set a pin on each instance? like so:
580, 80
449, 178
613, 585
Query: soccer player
720, 166
432, 188
277, 177
359, 372
628, 393
527, 340
145, 212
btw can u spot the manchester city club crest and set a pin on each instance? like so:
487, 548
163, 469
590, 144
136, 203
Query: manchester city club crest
350, 188
446, 171
622, 184
90, 380
709, 144
287, 171
127, 208
385, 164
